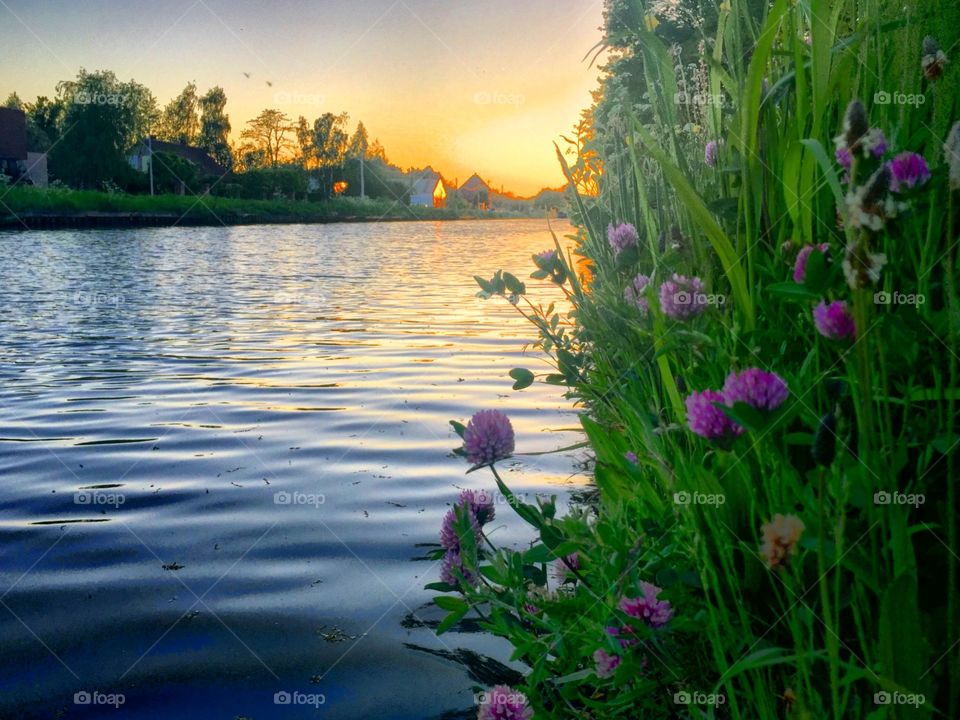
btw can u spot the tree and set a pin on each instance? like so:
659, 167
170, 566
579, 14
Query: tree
180, 121
330, 141
47, 117
266, 139
359, 144
304, 142
215, 127
102, 119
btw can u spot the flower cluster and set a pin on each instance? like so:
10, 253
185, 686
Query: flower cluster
622, 236
648, 608
907, 171
634, 293
605, 663
757, 388
504, 703
780, 538
834, 321
478, 508
682, 298
710, 153
800, 266
488, 438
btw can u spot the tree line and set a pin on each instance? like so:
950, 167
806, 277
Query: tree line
96, 121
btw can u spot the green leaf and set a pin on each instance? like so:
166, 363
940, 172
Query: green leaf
451, 603
792, 292
458, 427
523, 377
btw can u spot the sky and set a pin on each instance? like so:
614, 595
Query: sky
464, 86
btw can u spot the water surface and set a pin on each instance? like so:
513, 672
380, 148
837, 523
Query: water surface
225, 451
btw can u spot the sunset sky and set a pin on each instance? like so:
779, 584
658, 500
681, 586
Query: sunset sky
464, 86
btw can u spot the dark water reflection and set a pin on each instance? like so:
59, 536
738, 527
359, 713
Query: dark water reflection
178, 380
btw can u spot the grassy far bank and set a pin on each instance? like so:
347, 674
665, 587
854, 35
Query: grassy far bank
21, 205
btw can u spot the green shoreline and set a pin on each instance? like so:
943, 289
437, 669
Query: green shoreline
30, 208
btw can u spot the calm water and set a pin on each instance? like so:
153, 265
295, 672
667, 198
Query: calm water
224, 451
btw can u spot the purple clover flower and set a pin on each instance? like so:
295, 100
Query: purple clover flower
800, 266
480, 511
908, 170
834, 321
606, 664
488, 438
480, 503
634, 293
450, 539
710, 153
561, 567
546, 257
631, 457
682, 298
757, 388
707, 420
844, 157
622, 236
452, 570
655, 613
504, 703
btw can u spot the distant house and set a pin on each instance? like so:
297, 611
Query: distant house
140, 158
15, 160
476, 192
428, 190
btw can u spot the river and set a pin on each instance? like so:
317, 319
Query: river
225, 452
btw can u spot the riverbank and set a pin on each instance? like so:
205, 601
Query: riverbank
29, 208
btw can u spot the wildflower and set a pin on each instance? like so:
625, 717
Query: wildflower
480, 503
504, 703
862, 268
453, 571
606, 664
488, 438
780, 537
800, 265
651, 22
824, 446
655, 613
874, 143
844, 157
933, 60
866, 205
622, 236
908, 170
834, 321
710, 153
757, 388
634, 294
855, 125
951, 153
682, 298
631, 457
545, 258
450, 538
707, 420
563, 568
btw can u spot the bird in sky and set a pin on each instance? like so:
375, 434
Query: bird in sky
246, 75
